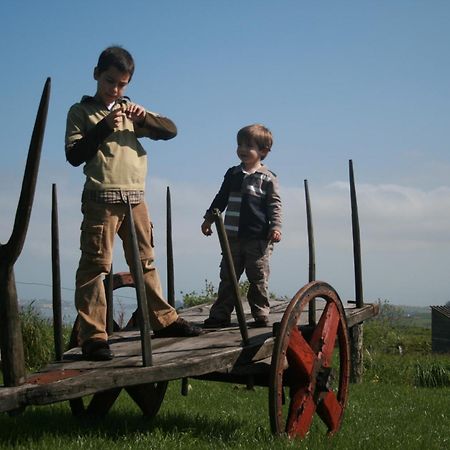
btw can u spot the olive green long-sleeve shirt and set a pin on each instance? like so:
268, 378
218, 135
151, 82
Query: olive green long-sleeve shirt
114, 159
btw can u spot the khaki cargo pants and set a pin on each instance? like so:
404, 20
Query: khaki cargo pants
101, 222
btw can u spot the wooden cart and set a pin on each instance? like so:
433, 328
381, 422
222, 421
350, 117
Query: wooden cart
291, 354
303, 356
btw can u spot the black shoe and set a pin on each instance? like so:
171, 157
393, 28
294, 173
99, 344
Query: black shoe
179, 328
210, 322
97, 350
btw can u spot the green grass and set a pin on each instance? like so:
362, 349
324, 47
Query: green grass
402, 404
218, 415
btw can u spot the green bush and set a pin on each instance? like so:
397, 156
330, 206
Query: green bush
432, 372
398, 354
209, 294
38, 341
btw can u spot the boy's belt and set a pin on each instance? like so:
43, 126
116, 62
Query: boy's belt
113, 196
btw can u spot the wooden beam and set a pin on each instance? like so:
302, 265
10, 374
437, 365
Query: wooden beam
56, 280
13, 361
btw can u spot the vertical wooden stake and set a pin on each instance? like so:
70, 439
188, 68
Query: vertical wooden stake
13, 360
109, 289
311, 255
226, 252
356, 241
170, 270
138, 277
356, 332
56, 279
170, 273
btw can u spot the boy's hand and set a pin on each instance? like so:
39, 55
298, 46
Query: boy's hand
275, 236
135, 112
206, 228
115, 118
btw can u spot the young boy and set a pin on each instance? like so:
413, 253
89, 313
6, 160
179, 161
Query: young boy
102, 132
250, 194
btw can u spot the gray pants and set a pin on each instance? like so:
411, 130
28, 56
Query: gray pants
251, 255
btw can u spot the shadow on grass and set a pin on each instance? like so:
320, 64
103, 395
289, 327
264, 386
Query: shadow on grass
57, 423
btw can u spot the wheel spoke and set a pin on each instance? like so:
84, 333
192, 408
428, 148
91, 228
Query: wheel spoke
324, 336
308, 373
301, 412
330, 411
299, 354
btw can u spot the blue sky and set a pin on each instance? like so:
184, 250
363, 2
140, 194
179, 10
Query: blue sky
360, 80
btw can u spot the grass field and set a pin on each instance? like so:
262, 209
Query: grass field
394, 408
217, 415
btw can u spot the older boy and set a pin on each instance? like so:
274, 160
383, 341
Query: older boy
102, 132
250, 194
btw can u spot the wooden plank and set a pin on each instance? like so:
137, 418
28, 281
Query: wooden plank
174, 358
359, 315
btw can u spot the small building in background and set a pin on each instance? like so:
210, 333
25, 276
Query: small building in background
440, 329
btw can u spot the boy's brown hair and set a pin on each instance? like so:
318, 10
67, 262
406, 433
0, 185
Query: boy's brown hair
117, 57
257, 133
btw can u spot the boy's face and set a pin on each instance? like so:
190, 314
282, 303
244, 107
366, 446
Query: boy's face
250, 154
111, 84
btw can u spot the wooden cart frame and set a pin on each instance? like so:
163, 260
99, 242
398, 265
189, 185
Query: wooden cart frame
304, 357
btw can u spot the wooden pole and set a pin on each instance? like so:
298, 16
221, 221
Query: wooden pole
56, 279
357, 331
138, 276
311, 255
226, 252
13, 361
171, 273
170, 270
109, 288
356, 240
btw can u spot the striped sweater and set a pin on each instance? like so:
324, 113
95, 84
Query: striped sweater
252, 203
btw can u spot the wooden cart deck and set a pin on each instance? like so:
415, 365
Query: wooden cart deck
216, 351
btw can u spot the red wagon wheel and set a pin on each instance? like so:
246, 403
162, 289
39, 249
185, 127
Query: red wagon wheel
148, 397
303, 364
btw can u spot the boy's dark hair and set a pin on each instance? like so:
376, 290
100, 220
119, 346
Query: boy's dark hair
257, 133
118, 57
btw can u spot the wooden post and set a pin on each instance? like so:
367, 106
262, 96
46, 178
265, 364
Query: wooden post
170, 271
356, 353
356, 241
226, 252
13, 361
356, 332
56, 279
138, 276
109, 288
311, 255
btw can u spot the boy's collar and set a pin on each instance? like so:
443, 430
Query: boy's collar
93, 99
261, 169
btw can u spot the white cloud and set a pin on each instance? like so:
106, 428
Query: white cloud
404, 231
